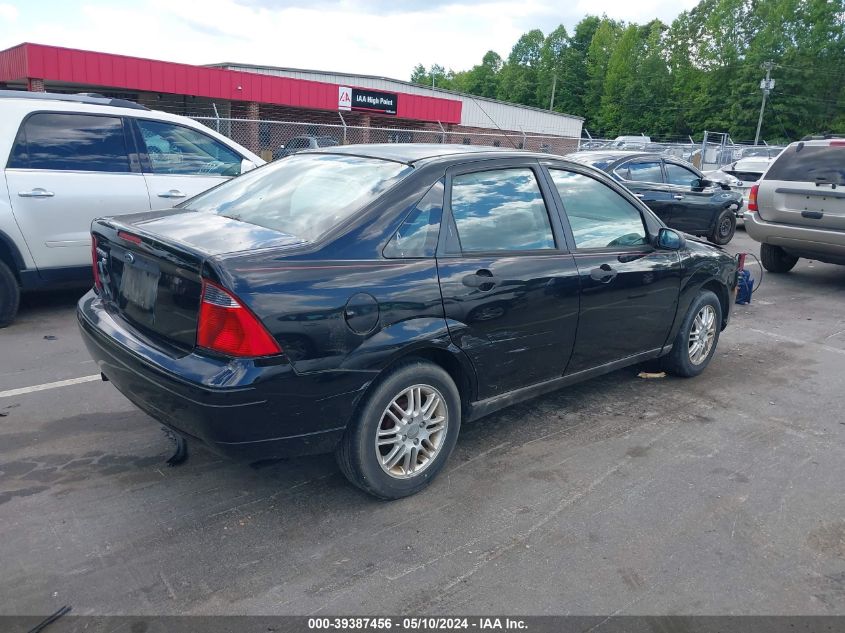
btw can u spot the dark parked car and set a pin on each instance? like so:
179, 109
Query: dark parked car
369, 299
300, 143
676, 191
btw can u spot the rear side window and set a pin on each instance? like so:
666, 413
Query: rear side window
599, 217
500, 210
304, 195
641, 172
417, 237
71, 142
810, 163
175, 149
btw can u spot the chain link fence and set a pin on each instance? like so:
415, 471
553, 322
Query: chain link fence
273, 139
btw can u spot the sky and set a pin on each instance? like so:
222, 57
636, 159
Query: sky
373, 37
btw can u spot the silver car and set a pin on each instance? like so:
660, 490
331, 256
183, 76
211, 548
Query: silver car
798, 207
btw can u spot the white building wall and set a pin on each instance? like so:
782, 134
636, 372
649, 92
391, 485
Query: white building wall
475, 111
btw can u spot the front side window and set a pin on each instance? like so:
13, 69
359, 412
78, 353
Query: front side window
417, 237
598, 215
678, 175
71, 142
304, 195
500, 210
174, 149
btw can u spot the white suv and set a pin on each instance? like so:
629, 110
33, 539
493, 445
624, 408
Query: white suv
68, 159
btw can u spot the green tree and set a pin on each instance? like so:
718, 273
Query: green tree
551, 65
598, 57
483, 79
518, 78
572, 80
614, 116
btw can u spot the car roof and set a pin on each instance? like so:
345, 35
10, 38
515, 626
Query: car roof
609, 156
415, 152
754, 161
82, 97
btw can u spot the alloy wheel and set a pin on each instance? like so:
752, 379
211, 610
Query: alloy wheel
702, 334
412, 431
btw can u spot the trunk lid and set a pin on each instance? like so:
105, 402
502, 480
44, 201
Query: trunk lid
152, 264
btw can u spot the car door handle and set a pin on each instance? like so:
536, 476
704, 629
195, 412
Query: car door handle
483, 279
603, 274
640, 195
678, 196
173, 193
38, 192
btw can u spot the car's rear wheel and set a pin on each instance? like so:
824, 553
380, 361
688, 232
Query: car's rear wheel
10, 295
725, 228
696, 341
775, 259
403, 432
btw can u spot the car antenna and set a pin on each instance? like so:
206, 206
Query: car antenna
494, 122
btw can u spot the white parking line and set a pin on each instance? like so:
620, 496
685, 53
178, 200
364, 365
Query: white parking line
48, 385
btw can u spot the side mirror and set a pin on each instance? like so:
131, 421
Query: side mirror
247, 165
700, 183
670, 239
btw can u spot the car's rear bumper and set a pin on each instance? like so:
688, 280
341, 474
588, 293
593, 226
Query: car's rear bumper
803, 241
236, 407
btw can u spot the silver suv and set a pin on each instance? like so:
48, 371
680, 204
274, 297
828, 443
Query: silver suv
68, 159
798, 207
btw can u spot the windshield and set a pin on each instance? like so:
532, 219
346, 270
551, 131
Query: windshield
326, 141
822, 164
303, 195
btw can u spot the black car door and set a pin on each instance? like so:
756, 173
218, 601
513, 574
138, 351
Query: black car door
510, 286
629, 289
644, 178
694, 210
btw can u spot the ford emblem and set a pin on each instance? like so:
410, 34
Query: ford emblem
128, 257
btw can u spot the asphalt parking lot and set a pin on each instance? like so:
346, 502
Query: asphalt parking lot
716, 495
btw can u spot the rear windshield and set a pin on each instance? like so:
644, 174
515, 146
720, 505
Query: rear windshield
303, 195
810, 163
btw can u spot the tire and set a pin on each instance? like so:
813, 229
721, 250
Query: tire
361, 460
775, 259
10, 295
681, 361
725, 228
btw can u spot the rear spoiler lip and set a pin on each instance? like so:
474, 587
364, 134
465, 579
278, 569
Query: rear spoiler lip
190, 258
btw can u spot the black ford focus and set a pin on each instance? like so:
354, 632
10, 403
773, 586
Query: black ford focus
367, 300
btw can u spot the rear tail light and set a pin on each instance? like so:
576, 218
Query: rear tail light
752, 198
227, 327
95, 264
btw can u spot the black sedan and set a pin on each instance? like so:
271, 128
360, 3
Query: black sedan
675, 190
369, 299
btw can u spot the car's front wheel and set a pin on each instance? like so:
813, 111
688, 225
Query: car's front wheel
696, 341
725, 228
775, 259
403, 432
10, 295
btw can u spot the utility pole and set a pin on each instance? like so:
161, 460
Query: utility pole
766, 86
554, 84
